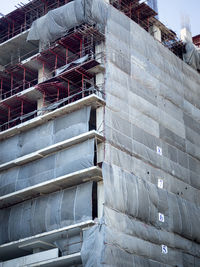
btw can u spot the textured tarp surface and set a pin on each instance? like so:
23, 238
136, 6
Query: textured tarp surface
76, 62
131, 230
152, 133
192, 55
57, 22
46, 213
52, 132
151, 127
66, 161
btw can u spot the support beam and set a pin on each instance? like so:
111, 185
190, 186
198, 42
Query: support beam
156, 32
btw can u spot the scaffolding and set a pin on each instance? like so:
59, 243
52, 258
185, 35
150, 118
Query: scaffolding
145, 16
65, 71
23, 16
72, 64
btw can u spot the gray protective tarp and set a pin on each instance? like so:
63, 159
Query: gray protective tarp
131, 226
46, 213
192, 55
76, 62
66, 161
57, 22
49, 133
152, 101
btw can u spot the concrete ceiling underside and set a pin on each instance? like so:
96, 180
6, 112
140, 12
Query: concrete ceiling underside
17, 48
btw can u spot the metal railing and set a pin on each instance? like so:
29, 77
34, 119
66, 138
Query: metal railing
55, 104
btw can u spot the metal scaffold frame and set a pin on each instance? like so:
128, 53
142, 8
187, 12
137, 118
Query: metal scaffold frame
22, 17
145, 16
72, 64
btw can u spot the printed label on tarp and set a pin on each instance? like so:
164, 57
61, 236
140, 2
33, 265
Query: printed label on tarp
160, 183
159, 150
164, 249
161, 217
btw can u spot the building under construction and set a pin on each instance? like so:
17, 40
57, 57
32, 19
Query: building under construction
99, 137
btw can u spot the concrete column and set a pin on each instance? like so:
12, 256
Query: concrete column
43, 74
100, 129
100, 119
186, 35
99, 52
156, 33
40, 105
100, 198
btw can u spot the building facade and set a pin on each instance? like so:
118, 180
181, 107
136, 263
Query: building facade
100, 138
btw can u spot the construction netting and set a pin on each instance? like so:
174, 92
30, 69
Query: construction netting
49, 133
192, 55
151, 169
46, 213
56, 23
151, 166
65, 161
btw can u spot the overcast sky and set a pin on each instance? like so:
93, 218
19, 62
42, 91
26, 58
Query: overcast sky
170, 12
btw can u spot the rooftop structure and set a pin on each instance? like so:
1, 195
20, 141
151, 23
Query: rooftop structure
99, 137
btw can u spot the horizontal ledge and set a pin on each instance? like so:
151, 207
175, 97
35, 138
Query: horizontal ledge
17, 248
68, 260
89, 174
31, 93
52, 149
18, 36
92, 100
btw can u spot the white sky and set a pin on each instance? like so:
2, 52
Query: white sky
7, 6
170, 12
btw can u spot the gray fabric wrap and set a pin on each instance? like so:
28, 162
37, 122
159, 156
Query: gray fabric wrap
152, 100
66, 161
49, 133
46, 213
57, 22
192, 55
131, 234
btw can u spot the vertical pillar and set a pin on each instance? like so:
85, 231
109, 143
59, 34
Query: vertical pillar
40, 104
186, 35
100, 119
156, 33
43, 74
100, 198
99, 52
